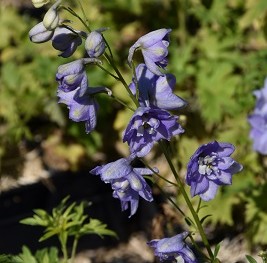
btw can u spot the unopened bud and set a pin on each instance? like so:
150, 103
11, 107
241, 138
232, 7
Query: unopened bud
51, 18
40, 3
39, 34
95, 44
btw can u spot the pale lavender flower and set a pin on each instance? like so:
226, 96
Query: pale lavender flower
39, 34
258, 132
154, 47
126, 181
173, 248
73, 75
261, 99
66, 41
156, 90
210, 167
147, 126
95, 44
82, 106
258, 121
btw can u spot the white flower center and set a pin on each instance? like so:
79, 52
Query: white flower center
206, 165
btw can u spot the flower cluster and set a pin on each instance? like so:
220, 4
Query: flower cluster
258, 121
126, 181
152, 91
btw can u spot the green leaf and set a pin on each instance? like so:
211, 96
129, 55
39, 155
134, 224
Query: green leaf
27, 256
216, 250
255, 10
204, 218
10, 259
251, 259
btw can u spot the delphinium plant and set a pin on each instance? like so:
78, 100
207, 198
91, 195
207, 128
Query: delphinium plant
153, 122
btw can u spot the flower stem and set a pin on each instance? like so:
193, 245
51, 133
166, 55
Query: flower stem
122, 80
74, 248
187, 200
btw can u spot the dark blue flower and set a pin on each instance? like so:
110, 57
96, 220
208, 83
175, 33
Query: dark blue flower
66, 41
147, 126
209, 167
156, 90
127, 182
173, 248
154, 47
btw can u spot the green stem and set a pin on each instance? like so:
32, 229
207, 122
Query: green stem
115, 77
65, 252
173, 203
187, 200
122, 103
122, 80
157, 174
74, 248
84, 15
199, 204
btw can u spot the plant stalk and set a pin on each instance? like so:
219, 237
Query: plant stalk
188, 202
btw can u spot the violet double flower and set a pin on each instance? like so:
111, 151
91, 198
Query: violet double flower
173, 248
154, 47
147, 126
127, 182
258, 121
210, 167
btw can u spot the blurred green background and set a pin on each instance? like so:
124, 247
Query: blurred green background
218, 53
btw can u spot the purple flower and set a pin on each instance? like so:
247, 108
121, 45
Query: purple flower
147, 126
209, 167
173, 248
95, 44
127, 182
261, 99
82, 106
258, 132
156, 90
66, 41
39, 34
154, 47
258, 121
72, 75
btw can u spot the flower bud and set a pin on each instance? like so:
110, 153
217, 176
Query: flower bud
39, 34
39, 3
51, 18
95, 44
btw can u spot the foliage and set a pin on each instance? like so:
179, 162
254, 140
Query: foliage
65, 221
